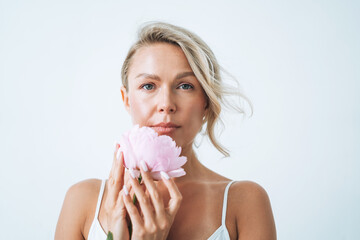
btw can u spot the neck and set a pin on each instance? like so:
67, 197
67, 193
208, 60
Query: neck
193, 167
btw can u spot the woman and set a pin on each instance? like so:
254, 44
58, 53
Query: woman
171, 83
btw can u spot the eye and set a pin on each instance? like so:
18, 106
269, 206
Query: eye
186, 86
147, 86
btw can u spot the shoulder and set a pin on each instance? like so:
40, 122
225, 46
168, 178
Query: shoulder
251, 205
84, 188
82, 195
80, 201
248, 197
243, 190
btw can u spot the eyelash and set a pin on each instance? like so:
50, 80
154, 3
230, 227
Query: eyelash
191, 86
142, 86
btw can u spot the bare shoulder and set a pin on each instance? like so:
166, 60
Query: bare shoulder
248, 189
252, 208
88, 187
79, 204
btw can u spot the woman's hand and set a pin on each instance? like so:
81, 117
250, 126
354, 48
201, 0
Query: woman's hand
114, 205
155, 219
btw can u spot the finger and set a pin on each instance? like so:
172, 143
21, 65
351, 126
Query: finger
144, 200
175, 195
120, 205
111, 180
117, 179
117, 146
151, 188
128, 187
131, 209
126, 176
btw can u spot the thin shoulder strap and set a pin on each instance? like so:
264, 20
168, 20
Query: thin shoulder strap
225, 203
101, 193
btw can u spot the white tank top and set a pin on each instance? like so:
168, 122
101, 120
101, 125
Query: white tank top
97, 233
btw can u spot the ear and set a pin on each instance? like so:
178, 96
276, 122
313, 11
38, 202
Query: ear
207, 104
206, 108
125, 98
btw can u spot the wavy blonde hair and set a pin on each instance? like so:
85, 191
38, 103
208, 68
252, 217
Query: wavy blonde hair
202, 62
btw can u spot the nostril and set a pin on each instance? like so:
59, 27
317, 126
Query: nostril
168, 109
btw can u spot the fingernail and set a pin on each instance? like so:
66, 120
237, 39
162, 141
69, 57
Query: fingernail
126, 191
118, 154
132, 174
143, 166
115, 144
165, 175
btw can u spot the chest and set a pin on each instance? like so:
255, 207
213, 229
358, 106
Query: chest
200, 215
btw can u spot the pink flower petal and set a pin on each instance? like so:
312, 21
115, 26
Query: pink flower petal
159, 152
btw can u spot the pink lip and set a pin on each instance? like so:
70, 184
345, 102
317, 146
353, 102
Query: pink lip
165, 128
168, 124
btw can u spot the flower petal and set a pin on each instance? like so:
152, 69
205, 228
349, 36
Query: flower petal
159, 152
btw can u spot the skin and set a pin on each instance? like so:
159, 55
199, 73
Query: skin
167, 206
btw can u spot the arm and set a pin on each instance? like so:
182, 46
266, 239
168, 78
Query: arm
82, 197
255, 219
73, 213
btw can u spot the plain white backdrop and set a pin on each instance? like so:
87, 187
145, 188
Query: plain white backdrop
298, 62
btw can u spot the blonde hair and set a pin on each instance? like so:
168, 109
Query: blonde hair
202, 62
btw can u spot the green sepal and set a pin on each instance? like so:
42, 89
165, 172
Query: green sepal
109, 236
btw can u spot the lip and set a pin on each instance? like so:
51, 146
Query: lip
165, 128
166, 125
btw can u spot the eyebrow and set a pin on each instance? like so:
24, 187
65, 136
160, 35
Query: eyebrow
156, 77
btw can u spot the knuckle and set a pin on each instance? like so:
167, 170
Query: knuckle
140, 232
152, 228
132, 210
177, 204
179, 198
111, 180
156, 196
164, 225
117, 180
144, 200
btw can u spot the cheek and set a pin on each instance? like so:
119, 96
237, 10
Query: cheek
194, 115
140, 110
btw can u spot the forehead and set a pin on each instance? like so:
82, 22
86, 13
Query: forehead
158, 58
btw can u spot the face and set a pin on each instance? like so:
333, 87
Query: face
164, 94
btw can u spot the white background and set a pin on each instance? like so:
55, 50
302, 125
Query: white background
298, 62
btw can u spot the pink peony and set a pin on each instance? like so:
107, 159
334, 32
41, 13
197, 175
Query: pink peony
160, 153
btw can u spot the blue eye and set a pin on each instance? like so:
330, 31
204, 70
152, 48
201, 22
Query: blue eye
186, 86
147, 86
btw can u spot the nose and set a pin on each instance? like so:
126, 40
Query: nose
166, 102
